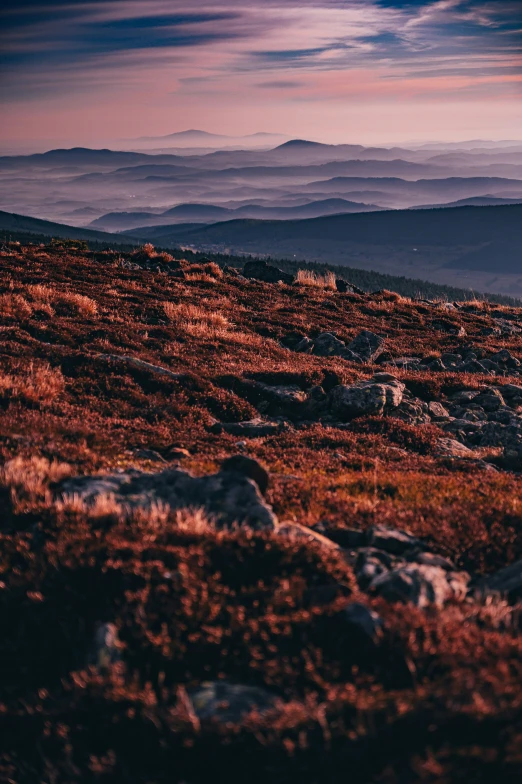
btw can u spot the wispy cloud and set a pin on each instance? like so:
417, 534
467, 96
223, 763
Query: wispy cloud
331, 50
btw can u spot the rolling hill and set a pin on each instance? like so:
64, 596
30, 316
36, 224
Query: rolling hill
458, 226
440, 245
210, 213
10, 223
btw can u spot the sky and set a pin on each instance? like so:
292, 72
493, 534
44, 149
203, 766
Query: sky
359, 71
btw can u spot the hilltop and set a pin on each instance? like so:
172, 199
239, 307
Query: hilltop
266, 520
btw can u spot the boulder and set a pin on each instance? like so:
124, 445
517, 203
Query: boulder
421, 585
229, 703
366, 398
260, 270
367, 345
304, 346
489, 399
437, 410
233, 495
449, 447
328, 345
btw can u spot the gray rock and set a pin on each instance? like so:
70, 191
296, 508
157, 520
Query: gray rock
260, 270
450, 359
405, 363
328, 345
253, 428
449, 447
105, 649
421, 585
370, 564
305, 346
365, 398
472, 366
466, 396
287, 394
229, 703
437, 410
489, 399
413, 411
507, 327
140, 364
365, 621
228, 496
367, 345
392, 540
505, 357
497, 434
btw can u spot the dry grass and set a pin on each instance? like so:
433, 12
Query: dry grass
49, 296
33, 383
437, 700
15, 306
316, 279
198, 321
27, 480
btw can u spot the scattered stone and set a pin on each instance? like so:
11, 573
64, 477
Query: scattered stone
421, 585
105, 649
370, 563
367, 345
392, 540
260, 270
506, 327
327, 345
449, 447
305, 346
365, 621
449, 328
437, 410
253, 428
229, 703
141, 365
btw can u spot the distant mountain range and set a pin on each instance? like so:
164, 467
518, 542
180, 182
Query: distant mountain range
197, 138
209, 213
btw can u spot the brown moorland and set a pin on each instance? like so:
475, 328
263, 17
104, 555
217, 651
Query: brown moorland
113, 366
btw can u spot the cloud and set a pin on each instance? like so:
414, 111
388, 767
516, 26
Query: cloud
124, 53
280, 84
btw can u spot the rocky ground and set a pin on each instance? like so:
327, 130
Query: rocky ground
253, 528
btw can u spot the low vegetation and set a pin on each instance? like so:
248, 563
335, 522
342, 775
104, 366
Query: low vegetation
120, 618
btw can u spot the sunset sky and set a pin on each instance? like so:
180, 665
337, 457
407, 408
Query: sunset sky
372, 71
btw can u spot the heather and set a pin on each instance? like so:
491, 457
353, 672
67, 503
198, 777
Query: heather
131, 364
